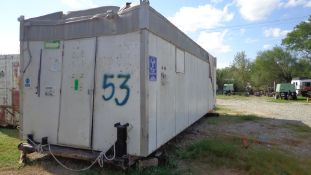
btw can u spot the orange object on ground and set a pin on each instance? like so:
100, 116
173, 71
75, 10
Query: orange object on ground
245, 142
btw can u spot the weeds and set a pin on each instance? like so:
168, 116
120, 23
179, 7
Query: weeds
300, 128
9, 153
255, 160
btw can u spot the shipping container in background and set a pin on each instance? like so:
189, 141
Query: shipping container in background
121, 81
9, 89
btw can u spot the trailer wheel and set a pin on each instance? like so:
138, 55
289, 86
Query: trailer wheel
277, 96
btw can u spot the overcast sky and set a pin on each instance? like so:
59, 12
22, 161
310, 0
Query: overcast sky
222, 27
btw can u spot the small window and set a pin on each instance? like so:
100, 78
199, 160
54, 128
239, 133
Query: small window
180, 61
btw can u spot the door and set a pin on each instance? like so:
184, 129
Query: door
77, 93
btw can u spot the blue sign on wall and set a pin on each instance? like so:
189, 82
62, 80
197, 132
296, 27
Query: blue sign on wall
27, 82
152, 68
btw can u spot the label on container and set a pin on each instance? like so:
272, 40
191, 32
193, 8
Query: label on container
27, 82
52, 44
76, 84
152, 68
49, 91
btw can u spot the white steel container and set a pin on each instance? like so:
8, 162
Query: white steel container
9, 89
87, 70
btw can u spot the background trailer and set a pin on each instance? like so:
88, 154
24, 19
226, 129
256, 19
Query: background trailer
9, 90
85, 71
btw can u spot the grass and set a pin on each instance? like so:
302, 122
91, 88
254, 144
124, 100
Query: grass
232, 97
9, 154
231, 116
300, 99
225, 118
229, 153
300, 128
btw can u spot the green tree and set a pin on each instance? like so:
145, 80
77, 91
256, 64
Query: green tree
223, 76
241, 69
300, 38
302, 68
272, 65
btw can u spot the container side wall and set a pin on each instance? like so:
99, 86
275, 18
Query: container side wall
41, 91
164, 88
9, 77
181, 110
177, 97
117, 92
9, 89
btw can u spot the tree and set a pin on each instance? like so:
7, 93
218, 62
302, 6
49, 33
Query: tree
300, 38
302, 68
241, 68
272, 65
223, 76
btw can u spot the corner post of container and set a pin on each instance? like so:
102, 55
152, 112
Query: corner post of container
21, 20
144, 26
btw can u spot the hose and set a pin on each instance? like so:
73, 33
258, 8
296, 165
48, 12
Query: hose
99, 159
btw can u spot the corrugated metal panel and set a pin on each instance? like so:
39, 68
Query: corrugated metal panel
176, 100
118, 68
41, 112
9, 89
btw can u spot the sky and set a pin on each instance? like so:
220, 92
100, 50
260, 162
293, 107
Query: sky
221, 27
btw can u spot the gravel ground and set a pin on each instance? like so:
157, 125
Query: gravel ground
260, 106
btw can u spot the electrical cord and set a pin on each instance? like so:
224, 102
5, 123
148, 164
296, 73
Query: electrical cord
29, 53
99, 159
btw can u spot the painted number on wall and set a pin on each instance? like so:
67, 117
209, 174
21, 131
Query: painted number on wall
107, 84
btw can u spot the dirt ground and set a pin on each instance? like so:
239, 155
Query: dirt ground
297, 111
285, 126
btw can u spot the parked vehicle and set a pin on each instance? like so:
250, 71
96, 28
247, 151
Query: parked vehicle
285, 91
228, 89
302, 85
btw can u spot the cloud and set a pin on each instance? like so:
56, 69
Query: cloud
295, 3
10, 44
275, 32
213, 42
250, 40
216, 1
192, 19
266, 46
79, 4
256, 10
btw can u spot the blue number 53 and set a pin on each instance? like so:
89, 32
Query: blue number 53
123, 86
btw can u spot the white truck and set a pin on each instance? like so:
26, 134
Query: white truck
302, 85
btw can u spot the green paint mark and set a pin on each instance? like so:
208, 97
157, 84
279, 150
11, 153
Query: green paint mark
52, 44
76, 84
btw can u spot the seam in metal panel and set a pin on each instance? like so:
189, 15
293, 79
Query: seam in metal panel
60, 91
144, 144
94, 93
